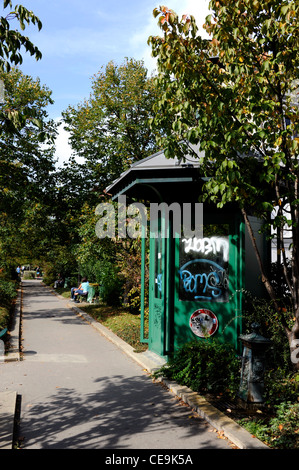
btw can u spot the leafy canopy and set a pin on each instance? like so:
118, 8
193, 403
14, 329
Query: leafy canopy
12, 118
26, 166
110, 129
236, 96
11, 40
233, 95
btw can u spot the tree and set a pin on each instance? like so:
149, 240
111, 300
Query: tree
26, 166
110, 130
12, 40
234, 95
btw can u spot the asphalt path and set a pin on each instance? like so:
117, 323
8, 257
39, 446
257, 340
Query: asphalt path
78, 390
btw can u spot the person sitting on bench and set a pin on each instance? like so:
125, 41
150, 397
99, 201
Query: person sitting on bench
81, 290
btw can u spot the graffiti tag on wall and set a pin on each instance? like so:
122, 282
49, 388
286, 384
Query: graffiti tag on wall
207, 246
204, 277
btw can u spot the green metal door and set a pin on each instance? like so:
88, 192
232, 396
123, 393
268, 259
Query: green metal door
160, 288
208, 283
195, 285
156, 289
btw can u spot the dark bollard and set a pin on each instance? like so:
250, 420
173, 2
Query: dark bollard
253, 366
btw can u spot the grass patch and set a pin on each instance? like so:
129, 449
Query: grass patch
121, 322
65, 292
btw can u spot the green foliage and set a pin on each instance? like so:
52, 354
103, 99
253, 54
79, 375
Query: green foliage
232, 95
12, 40
278, 425
105, 273
91, 269
111, 283
205, 366
60, 262
284, 427
23, 114
110, 129
13, 118
8, 293
235, 97
133, 300
26, 170
4, 317
281, 386
281, 430
263, 312
128, 258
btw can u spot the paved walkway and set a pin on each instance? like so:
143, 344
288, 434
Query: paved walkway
79, 390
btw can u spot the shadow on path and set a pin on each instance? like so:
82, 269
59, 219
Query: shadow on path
124, 413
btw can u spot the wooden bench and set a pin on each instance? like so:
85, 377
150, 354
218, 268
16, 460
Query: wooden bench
81, 297
89, 296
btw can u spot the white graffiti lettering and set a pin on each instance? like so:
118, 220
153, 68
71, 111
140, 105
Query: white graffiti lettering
207, 245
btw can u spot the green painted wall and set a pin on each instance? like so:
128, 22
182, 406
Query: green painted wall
185, 276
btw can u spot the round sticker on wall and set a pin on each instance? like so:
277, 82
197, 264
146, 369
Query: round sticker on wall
203, 322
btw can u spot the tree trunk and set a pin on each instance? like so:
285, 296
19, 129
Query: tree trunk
265, 278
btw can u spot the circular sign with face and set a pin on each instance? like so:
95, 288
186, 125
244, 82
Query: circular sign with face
203, 323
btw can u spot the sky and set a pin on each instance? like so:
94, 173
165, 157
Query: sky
79, 38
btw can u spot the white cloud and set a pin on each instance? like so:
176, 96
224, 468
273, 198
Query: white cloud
63, 148
198, 8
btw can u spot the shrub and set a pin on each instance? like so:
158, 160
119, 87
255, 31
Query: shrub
111, 284
49, 274
284, 427
205, 366
133, 301
281, 431
91, 269
281, 386
8, 292
106, 274
60, 262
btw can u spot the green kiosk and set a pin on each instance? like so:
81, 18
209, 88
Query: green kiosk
195, 282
